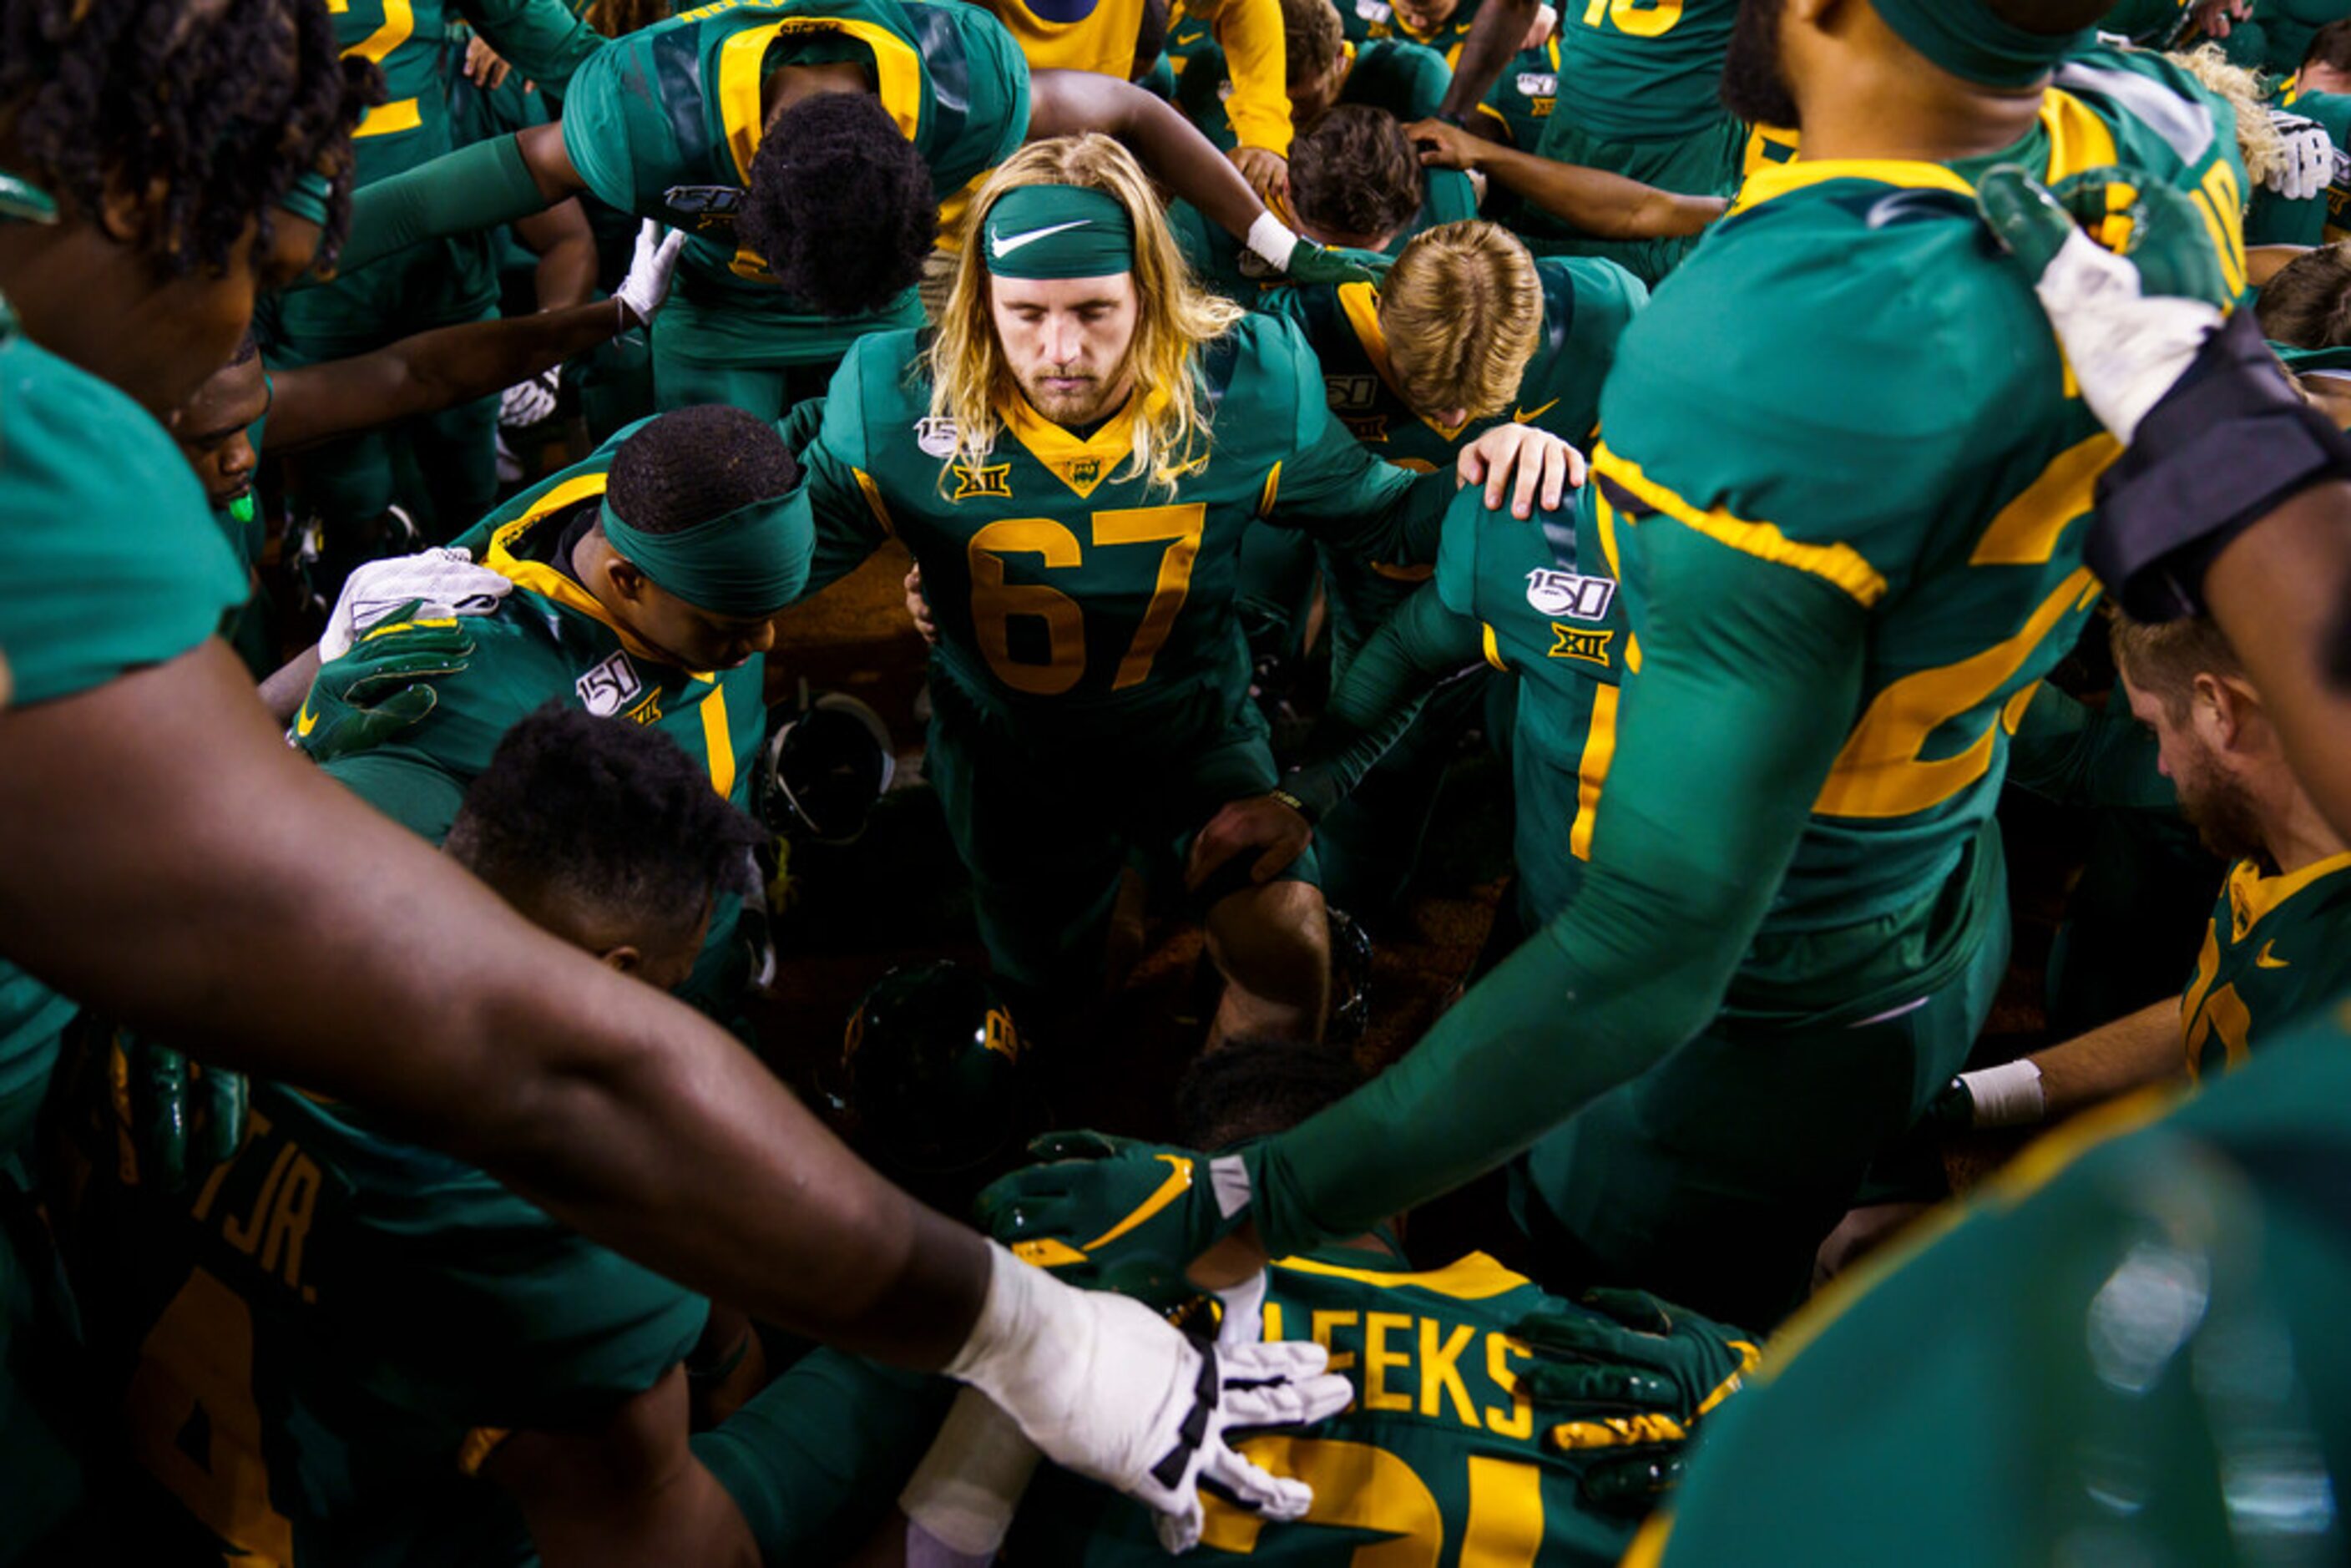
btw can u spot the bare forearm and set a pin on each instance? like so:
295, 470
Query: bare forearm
257, 913
565, 248
2141, 1049
282, 693
1604, 204
2282, 591
1501, 26
431, 372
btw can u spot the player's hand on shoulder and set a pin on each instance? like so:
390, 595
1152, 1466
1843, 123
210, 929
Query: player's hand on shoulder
918, 606
1267, 171
1631, 1375
382, 685
432, 584
652, 267
1107, 1387
1529, 466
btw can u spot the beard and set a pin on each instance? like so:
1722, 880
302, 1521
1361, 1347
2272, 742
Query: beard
2221, 809
1754, 87
1089, 401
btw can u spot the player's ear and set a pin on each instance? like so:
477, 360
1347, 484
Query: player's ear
622, 960
2218, 709
125, 213
627, 580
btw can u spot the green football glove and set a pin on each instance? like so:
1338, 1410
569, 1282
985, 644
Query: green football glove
26, 202
176, 1109
1116, 1214
1637, 1375
1312, 263
381, 687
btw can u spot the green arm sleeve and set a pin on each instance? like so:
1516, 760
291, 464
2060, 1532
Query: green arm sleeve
1749, 677
2066, 751
817, 1457
540, 38
473, 188
1382, 693
850, 524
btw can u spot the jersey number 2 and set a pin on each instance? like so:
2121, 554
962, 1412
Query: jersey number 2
194, 1424
995, 601
398, 24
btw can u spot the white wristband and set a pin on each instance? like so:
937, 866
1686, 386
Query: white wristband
2008, 1096
1271, 240
964, 1493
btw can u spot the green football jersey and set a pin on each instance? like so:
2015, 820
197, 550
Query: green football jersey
2149, 24
1642, 70
2286, 27
1067, 590
1441, 1459
1405, 78
1523, 97
2246, 990
2325, 217
666, 122
1552, 619
113, 565
1366, 21
1587, 304
2005, 1395
1960, 570
551, 640
448, 281
326, 1339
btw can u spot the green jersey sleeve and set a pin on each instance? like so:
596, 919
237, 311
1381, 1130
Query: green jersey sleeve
596, 126
815, 1460
848, 525
542, 39
113, 560
2069, 752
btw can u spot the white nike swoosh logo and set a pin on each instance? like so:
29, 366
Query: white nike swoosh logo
1005, 244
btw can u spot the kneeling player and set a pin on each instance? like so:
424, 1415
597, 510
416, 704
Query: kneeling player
343, 1347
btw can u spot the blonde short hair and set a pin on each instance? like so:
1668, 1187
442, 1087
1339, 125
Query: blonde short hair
1462, 311
970, 380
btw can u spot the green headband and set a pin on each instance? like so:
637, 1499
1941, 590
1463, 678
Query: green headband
1057, 230
1966, 39
309, 197
754, 560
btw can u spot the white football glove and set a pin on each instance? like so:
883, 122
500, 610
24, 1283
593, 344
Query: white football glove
445, 581
527, 402
647, 285
1106, 1388
2309, 160
2126, 351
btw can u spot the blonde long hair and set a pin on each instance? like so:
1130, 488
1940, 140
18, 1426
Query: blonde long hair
970, 380
2259, 143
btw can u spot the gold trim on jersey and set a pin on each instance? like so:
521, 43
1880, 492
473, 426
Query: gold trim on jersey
1360, 302
2078, 140
2252, 896
1081, 465
1839, 564
1471, 1278
1486, 631
742, 61
1592, 768
2026, 531
545, 581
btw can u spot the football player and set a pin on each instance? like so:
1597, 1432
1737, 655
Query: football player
350, 483
219, 429
1639, 94
1794, 915
1251, 47
872, 115
1466, 332
1324, 68
395, 1357
2286, 885
1074, 459
253, 911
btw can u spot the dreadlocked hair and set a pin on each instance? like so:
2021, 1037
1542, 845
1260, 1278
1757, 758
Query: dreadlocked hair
224, 106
